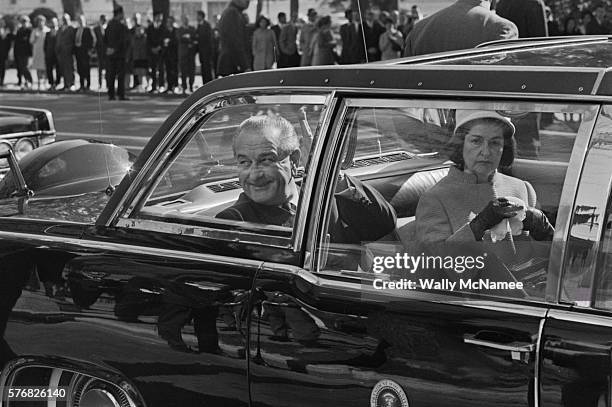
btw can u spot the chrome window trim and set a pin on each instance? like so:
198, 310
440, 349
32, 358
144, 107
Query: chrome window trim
227, 235
309, 189
554, 277
322, 195
576, 316
101, 246
598, 81
429, 66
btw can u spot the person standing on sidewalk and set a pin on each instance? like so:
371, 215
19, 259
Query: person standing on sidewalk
234, 45
155, 38
170, 55
37, 40
287, 43
6, 41
116, 39
22, 50
205, 44
64, 47
84, 42
99, 30
50, 57
186, 36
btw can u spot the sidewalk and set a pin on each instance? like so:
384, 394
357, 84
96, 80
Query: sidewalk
10, 85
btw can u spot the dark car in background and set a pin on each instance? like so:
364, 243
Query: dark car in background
25, 129
152, 300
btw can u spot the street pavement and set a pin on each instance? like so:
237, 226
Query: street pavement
128, 124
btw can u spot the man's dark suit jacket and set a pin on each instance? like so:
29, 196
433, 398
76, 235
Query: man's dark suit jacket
352, 44
205, 41
594, 28
372, 35
528, 15
234, 46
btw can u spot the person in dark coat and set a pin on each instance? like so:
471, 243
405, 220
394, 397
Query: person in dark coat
372, 31
186, 35
170, 54
352, 39
205, 43
64, 47
6, 41
116, 38
50, 57
99, 30
22, 51
84, 42
463, 24
234, 46
155, 39
288, 43
598, 25
528, 15
281, 59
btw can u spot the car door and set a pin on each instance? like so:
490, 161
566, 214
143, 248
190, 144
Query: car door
576, 343
343, 328
149, 305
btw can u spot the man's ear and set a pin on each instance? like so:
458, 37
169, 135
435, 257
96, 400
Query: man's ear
295, 157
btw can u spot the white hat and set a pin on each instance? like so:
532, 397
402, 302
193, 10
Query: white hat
462, 117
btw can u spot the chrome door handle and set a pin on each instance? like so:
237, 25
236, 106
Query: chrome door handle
519, 350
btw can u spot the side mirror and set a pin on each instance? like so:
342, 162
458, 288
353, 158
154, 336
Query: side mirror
21, 188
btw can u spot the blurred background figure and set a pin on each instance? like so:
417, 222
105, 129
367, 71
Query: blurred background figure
53, 73
37, 40
571, 26
116, 38
598, 24
6, 41
391, 41
64, 46
352, 39
22, 51
281, 57
139, 58
587, 17
264, 45
288, 43
84, 42
135, 23
324, 43
233, 44
306, 33
155, 40
205, 44
372, 31
529, 16
170, 55
187, 38
99, 30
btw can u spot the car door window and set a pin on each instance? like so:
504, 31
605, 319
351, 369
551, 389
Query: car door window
397, 151
200, 183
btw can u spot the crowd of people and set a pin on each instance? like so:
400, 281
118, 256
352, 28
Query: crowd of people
159, 54
153, 55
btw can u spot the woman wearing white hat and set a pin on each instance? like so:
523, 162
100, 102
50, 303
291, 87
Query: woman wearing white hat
475, 197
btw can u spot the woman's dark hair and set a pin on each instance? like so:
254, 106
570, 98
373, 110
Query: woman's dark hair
323, 21
262, 17
455, 144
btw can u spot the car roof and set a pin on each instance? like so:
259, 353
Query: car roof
571, 66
